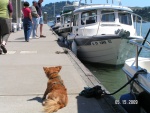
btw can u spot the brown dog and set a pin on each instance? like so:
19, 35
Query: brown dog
55, 96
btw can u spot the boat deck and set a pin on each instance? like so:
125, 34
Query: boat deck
23, 80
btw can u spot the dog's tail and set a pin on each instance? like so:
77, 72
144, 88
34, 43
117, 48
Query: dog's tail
51, 105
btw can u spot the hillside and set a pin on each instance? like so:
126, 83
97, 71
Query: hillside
143, 12
49, 8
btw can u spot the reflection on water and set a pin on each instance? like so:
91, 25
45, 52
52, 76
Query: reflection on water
111, 77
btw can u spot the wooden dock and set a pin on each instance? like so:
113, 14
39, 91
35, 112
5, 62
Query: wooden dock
23, 80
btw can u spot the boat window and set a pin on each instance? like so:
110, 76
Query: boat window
108, 16
88, 17
61, 19
75, 20
125, 18
58, 19
67, 19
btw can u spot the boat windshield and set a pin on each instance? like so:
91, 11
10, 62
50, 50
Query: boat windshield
67, 19
68, 8
58, 19
125, 18
88, 17
75, 20
108, 16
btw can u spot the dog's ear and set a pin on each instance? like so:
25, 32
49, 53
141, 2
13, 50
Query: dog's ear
59, 68
44, 68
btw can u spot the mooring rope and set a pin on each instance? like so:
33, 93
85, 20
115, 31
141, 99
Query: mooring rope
97, 91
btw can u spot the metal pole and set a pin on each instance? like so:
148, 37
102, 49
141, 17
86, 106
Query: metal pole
85, 2
54, 9
136, 60
144, 41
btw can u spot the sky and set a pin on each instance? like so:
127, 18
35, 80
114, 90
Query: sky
130, 3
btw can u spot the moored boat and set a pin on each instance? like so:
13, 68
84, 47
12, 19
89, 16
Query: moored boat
66, 19
57, 23
137, 70
101, 33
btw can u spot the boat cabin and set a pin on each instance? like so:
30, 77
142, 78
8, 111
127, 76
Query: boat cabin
104, 19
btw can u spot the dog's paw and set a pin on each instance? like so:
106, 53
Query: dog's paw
43, 103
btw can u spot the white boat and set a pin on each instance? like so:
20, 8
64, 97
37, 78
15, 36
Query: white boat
138, 69
57, 23
100, 33
66, 19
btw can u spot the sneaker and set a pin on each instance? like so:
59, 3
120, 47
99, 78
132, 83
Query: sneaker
30, 37
42, 36
3, 48
35, 37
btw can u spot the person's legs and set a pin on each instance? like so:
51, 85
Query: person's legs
25, 28
41, 26
33, 28
5, 33
4, 41
41, 22
37, 20
29, 26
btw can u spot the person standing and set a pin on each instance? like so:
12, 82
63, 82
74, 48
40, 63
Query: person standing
27, 21
5, 23
41, 22
35, 18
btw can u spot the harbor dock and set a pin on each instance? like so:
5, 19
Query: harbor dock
23, 81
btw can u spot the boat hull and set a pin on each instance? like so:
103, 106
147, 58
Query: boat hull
112, 50
65, 31
143, 80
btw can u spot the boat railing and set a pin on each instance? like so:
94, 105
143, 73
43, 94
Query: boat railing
137, 19
139, 45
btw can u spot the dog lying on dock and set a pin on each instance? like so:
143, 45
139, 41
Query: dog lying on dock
55, 96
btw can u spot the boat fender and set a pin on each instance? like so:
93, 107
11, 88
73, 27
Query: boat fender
121, 33
66, 42
127, 34
60, 38
126, 102
74, 47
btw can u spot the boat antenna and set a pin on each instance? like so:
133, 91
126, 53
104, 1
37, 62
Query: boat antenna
91, 1
79, 3
54, 9
112, 1
119, 1
107, 1
85, 2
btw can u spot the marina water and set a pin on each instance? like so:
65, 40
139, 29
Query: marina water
113, 77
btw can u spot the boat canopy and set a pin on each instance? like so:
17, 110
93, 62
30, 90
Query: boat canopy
92, 7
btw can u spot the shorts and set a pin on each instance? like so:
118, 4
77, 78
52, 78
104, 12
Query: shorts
41, 20
5, 26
